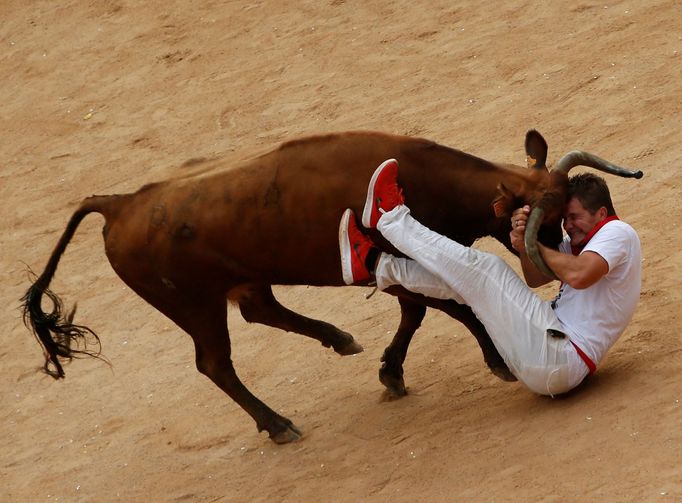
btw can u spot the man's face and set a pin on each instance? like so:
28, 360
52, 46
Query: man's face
578, 221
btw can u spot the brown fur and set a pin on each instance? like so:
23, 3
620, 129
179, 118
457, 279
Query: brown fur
187, 245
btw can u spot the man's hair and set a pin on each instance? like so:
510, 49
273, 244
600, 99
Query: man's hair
592, 192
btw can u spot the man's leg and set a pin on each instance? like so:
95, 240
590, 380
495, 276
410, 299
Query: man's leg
391, 270
513, 315
537, 360
515, 318
360, 258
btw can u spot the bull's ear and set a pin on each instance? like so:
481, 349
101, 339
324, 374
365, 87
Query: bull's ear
536, 150
503, 204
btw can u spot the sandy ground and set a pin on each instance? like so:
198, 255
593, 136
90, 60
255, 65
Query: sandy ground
104, 96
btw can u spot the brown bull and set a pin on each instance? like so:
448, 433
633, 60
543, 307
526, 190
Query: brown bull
187, 245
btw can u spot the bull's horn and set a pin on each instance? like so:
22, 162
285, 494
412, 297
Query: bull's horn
580, 158
531, 239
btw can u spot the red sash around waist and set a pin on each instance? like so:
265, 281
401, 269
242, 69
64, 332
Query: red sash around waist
576, 251
590, 364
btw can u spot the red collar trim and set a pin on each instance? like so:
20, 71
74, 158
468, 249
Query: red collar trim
579, 247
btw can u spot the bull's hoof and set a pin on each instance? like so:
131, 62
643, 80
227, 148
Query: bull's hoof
352, 348
503, 373
288, 435
395, 386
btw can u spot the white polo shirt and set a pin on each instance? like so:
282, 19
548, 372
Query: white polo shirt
594, 317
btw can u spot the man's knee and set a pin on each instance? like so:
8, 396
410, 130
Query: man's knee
492, 262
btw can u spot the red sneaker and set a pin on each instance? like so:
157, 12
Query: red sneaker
354, 246
383, 193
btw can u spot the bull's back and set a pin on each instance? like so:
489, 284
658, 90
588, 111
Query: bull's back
285, 206
275, 218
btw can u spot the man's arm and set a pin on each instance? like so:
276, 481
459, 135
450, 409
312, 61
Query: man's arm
534, 278
580, 271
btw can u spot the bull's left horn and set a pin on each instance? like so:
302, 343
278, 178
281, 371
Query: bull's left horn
580, 158
531, 240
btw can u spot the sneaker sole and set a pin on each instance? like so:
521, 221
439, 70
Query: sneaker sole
345, 248
369, 202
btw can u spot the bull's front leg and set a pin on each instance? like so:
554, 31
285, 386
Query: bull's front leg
413, 308
391, 371
466, 316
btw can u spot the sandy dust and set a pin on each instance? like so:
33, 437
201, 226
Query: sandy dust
105, 96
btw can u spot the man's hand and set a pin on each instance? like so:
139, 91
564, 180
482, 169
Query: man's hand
533, 277
517, 235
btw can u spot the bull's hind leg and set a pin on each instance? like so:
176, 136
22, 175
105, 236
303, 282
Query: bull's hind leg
258, 305
204, 318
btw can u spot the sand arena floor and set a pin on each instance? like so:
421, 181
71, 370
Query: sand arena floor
105, 96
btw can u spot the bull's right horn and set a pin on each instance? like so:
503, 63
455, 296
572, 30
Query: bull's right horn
580, 158
531, 240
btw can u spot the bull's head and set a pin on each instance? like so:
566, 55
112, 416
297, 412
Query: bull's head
549, 207
539, 187
546, 193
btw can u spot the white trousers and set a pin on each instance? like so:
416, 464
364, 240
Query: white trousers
516, 319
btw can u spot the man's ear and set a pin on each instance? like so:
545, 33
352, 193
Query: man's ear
504, 202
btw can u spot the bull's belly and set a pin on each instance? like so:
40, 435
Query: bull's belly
158, 262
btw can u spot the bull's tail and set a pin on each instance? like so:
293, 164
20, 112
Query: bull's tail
55, 330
